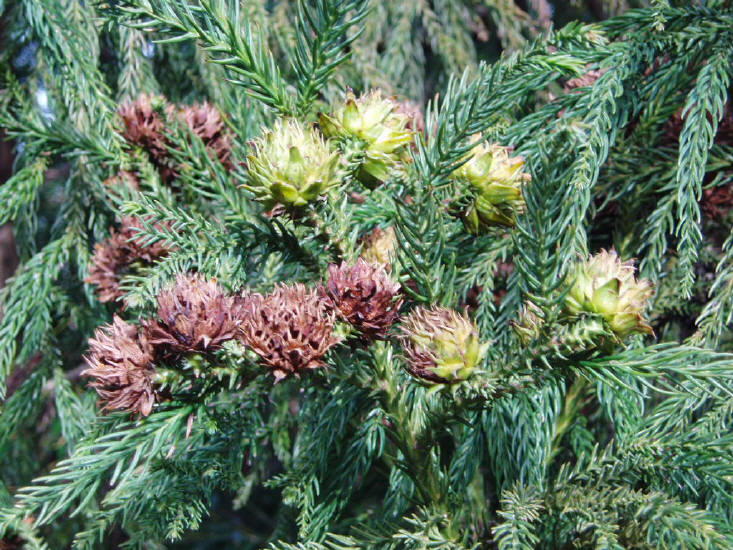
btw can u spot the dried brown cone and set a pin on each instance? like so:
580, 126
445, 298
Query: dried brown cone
717, 202
109, 262
113, 257
205, 121
365, 296
588, 79
123, 179
291, 329
120, 361
144, 125
12, 542
194, 314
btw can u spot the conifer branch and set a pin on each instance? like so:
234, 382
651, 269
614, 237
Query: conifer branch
233, 43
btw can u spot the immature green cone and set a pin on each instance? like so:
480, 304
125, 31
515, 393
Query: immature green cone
291, 165
498, 180
380, 129
441, 345
606, 286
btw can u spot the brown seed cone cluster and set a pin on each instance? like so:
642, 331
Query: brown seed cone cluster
121, 362
291, 329
365, 296
113, 257
195, 315
147, 118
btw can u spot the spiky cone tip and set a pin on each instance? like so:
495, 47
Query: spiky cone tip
528, 327
194, 315
498, 180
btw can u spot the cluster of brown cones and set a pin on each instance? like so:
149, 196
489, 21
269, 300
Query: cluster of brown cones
147, 120
146, 123
291, 329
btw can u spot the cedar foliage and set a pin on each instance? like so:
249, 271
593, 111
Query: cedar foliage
566, 439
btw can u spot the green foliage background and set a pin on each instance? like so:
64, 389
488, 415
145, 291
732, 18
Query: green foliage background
546, 449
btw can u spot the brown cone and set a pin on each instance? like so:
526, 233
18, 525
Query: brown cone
194, 315
113, 256
365, 296
144, 125
588, 79
717, 201
120, 360
290, 328
205, 121
122, 179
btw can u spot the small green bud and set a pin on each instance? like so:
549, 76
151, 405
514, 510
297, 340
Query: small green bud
497, 179
291, 165
442, 346
605, 286
529, 325
375, 126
